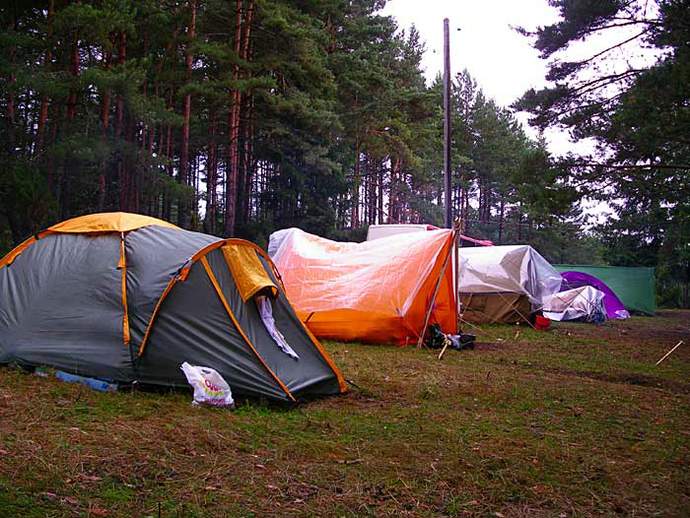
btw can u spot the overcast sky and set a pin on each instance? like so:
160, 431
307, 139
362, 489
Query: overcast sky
501, 60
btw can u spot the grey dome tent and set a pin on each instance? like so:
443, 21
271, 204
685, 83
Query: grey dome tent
127, 298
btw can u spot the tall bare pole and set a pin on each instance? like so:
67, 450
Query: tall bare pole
446, 123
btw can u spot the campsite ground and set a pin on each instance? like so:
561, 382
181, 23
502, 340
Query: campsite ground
573, 421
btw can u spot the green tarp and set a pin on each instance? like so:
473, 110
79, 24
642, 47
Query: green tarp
635, 286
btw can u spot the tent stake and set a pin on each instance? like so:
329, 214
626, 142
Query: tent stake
669, 353
433, 298
440, 355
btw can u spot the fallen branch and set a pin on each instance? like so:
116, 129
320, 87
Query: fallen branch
440, 355
669, 353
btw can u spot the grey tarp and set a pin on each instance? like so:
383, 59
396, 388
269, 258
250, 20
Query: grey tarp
61, 306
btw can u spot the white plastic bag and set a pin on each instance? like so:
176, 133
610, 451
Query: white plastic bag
209, 387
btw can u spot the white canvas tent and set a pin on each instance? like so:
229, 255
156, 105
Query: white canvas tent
508, 269
583, 303
504, 283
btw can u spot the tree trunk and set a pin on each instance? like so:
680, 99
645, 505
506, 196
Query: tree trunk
211, 179
105, 123
466, 205
248, 159
12, 79
392, 188
65, 177
391, 192
244, 122
119, 125
167, 202
372, 177
379, 197
133, 173
183, 177
51, 164
233, 126
500, 220
74, 72
364, 203
354, 219
43, 112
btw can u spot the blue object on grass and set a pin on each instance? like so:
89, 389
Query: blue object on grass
100, 385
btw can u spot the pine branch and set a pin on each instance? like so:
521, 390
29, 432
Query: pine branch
601, 82
578, 64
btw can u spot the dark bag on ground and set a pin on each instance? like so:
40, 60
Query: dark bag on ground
436, 339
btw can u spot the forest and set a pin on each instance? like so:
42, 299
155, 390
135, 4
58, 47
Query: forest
240, 117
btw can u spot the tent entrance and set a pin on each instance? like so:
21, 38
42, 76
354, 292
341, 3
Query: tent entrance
508, 308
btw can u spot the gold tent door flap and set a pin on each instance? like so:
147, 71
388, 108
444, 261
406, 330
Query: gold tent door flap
247, 271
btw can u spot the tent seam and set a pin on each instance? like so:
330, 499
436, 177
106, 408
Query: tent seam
123, 268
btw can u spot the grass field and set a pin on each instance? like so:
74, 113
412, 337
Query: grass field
576, 421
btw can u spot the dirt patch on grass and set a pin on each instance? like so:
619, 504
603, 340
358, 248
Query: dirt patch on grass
642, 380
666, 328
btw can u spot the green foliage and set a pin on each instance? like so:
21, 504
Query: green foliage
638, 114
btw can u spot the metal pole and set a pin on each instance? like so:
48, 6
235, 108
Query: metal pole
446, 123
457, 225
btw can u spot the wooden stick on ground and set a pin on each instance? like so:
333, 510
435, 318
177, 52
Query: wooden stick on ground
443, 351
669, 353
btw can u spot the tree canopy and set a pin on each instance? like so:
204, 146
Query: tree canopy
238, 117
630, 94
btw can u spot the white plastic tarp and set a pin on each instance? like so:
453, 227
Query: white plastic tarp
508, 268
376, 291
585, 302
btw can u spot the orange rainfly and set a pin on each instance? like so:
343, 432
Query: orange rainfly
376, 291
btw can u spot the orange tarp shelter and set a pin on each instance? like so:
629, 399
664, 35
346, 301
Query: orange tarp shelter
376, 291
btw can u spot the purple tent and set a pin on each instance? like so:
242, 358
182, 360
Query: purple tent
614, 306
